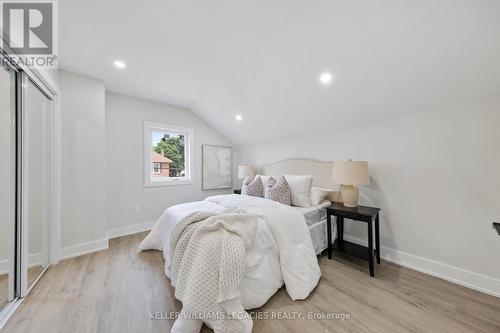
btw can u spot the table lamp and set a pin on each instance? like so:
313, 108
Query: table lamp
245, 171
350, 174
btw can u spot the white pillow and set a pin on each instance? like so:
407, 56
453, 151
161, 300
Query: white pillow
318, 195
300, 186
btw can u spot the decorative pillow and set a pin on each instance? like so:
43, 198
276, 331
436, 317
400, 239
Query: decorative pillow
318, 195
278, 190
244, 186
265, 180
300, 188
252, 187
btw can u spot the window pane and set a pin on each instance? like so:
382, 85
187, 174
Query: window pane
168, 154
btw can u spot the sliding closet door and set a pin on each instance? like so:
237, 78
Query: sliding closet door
35, 185
7, 186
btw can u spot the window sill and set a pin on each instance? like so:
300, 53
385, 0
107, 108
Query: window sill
161, 183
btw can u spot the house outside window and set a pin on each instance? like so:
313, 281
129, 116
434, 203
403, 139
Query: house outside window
161, 164
156, 168
168, 154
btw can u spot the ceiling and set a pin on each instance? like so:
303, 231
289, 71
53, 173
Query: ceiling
262, 58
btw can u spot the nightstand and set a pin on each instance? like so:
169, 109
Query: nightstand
368, 215
237, 191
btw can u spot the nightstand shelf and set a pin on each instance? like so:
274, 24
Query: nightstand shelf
352, 249
368, 215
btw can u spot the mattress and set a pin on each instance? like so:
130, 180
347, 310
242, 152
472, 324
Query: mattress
316, 221
319, 235
314, 214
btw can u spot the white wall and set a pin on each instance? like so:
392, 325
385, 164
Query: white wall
83, 215
125, 118
436, 176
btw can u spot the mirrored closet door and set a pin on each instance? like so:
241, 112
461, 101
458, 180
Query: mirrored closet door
35, 186
24, 184
7, 185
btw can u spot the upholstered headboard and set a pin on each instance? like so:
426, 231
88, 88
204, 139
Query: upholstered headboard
320, 170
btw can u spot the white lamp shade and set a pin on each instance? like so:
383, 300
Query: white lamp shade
351, 173
245, 170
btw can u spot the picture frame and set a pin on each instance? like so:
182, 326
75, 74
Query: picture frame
217, 167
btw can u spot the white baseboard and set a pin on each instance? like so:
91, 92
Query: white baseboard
84, 248
483, 283
102, 244
36, 259
130, 229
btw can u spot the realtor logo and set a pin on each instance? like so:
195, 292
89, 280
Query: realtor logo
29, 31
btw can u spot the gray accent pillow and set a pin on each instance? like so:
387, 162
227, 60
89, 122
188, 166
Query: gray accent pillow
278, 190
252, 186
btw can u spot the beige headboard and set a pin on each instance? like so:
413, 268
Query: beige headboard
320, 170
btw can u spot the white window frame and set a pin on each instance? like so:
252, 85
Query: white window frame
149, 180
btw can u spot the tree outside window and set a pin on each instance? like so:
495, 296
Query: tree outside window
172, 146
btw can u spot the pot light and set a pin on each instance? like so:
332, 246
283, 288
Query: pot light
119, 64
325, 78
238, 117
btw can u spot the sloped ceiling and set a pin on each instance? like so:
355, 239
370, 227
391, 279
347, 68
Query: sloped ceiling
262, 58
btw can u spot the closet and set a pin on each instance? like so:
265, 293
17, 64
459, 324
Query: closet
24, 183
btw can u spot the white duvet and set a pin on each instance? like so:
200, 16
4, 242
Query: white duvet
282, 251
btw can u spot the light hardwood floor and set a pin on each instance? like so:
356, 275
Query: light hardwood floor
33, 273
4, 288
117, 289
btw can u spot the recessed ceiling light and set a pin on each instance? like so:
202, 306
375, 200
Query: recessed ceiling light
325, 78
238, 117
119, 64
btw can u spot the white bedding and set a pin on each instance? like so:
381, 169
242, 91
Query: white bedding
282, 250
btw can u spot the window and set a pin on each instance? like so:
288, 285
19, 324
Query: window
156, 168
168, 154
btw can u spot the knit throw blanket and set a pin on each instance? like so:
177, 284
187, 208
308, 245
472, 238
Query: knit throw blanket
207, 263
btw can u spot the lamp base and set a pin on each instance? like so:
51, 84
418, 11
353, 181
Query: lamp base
350, 195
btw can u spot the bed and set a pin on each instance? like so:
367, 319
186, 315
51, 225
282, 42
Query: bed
322, 177
286, 241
